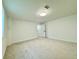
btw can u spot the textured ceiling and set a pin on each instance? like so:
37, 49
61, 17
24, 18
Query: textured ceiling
27, 9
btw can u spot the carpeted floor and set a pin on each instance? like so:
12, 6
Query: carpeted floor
42, 49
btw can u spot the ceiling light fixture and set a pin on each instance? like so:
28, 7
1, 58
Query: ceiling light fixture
44, 11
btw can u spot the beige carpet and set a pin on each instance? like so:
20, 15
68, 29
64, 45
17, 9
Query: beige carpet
41, 49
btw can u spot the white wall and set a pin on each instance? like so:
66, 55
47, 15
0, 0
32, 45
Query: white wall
4, 38
63, 28
20, 31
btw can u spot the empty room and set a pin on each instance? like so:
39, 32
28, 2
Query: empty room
39, 29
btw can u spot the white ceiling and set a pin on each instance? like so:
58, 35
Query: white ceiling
27, 9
